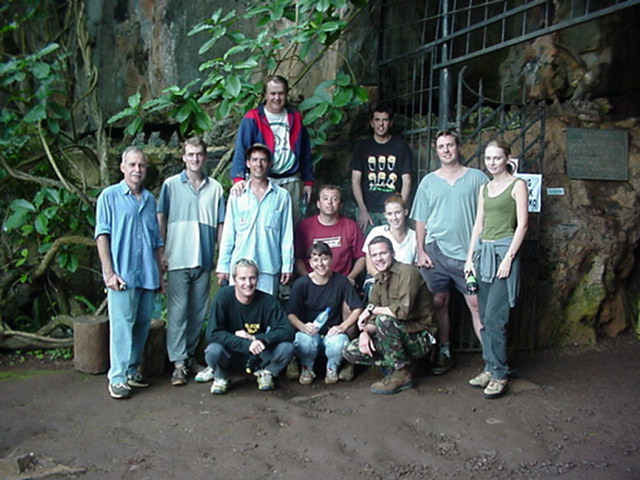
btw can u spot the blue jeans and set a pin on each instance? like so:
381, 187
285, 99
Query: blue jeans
306, 348
222, 360
493, 303
129, 321
187, 300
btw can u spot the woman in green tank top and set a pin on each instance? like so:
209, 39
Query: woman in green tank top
498, 233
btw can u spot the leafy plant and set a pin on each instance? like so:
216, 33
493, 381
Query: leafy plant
292, 36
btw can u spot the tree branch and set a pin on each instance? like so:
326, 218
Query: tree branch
57, 245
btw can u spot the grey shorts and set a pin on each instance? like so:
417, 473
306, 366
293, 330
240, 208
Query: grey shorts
446, 270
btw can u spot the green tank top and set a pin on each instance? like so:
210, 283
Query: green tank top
499, 214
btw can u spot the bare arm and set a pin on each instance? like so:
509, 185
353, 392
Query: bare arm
301, 268
357, 269
475, 232
299, 325
162, 223
521, 196
347, 322
364, 218
421, 235
111, 280
406, 188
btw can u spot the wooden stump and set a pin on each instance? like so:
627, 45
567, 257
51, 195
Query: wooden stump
154, 358
91, 344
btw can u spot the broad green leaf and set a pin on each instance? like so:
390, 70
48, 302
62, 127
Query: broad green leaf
41, 70
36, 114
134, 127
233, 86
124, 113
343, 79
223, 109
52, 47
15, 220
182, 113
21, 204
335, 116
315, 114
362, 94
134, 100
342, 98
53, 126
72, 262
42, 224
309, 103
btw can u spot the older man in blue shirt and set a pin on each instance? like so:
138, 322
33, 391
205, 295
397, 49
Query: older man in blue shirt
259, 226
130, 249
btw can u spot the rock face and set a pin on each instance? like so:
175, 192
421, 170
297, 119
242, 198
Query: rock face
590, 241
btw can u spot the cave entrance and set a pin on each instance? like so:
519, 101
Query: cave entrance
426, 48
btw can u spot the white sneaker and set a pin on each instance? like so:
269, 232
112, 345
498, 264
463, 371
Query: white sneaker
220, 386
205, 375
265, 380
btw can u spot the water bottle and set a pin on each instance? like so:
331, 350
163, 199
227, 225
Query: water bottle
472, 284
321, 318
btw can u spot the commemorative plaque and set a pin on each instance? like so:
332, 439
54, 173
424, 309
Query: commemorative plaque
597, 154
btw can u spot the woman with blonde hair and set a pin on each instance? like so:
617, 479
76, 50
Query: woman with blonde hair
496, 238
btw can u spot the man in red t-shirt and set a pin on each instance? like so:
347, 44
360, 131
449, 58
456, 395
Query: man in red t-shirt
341, 234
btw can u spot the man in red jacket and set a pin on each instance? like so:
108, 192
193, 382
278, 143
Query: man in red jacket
280, 128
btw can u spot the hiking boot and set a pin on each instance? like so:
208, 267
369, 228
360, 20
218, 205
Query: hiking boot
137, 380
496, 389
307, 376
192, 365
347, 372
205, 375
265, 380
331, 377
293, 369
220, 386
179, 376
442, 364
119, 390
480, 381
396, 382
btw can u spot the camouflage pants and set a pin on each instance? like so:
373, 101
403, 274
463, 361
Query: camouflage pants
395, 348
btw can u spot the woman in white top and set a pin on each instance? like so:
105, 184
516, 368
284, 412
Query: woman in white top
402, 237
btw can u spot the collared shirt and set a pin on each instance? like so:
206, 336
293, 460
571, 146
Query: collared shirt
133, 232
403, 290
192, 220
260, 230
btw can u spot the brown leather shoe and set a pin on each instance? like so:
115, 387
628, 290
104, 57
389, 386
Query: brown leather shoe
395, 382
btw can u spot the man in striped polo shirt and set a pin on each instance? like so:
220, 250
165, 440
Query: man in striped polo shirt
190, 213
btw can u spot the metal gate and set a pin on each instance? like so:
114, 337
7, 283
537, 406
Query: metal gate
424, 48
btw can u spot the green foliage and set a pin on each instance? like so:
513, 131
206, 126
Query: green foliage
51, 214
291, 35
34, 85
180, 104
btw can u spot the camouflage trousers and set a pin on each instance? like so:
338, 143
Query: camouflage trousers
395, 348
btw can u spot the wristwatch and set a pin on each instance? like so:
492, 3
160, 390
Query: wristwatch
370, 307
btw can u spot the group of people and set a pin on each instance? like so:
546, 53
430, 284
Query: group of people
464, 225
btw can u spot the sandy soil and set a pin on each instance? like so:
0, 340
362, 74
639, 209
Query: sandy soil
571, 414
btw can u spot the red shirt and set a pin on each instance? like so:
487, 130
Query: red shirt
345, 239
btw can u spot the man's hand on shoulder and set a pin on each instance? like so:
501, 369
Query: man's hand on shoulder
238, 188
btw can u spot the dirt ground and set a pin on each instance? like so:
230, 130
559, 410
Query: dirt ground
571, 414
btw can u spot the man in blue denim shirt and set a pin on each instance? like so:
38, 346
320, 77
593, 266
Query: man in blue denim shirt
259, 226
130, 247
